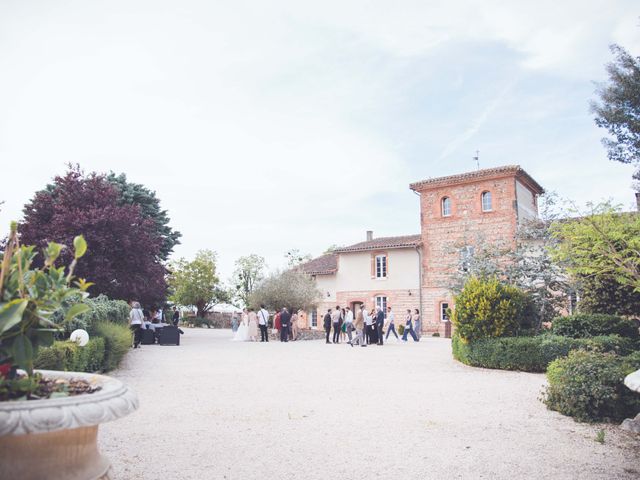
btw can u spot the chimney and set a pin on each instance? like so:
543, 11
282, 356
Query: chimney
369, 235
638, 201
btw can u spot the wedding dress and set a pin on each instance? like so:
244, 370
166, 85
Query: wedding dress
242, 334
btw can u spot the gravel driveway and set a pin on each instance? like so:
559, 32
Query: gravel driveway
216, 409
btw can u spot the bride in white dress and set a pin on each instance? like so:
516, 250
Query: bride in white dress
242, 334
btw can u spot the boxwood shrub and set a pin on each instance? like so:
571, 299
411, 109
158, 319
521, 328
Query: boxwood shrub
594, 324
103, 352
532, 354
589, 386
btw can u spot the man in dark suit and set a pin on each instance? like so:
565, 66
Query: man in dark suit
327, 324
285, 319
379, 324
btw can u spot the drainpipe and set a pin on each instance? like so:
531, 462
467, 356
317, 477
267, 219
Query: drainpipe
419, 250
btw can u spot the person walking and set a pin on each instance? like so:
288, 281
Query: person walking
253, 325
417, 323
136, 318
335, 319
380, 325
263, 324
391, 327
285, 319
408, 328
176, 317
327, 324
348, 322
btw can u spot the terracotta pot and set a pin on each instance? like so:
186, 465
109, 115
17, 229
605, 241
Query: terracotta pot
57, 438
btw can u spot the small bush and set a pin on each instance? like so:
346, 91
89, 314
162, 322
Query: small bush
589, 386
532, 354
594, 324
436, 334
102, 309
486, 308
400, 330
68, 356
117, 340
199, 322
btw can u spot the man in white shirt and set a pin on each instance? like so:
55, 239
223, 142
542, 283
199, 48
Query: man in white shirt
263, 323
368, 322
335, 319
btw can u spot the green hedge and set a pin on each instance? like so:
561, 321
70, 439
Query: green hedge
532, 354
101, 354
103, 309
589, 386
594, 324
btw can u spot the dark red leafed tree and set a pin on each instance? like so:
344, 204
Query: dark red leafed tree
123, 258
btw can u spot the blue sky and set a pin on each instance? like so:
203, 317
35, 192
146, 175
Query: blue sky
287, 124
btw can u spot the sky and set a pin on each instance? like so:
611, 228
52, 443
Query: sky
267, 126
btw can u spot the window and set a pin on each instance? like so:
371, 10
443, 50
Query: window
444, 316
466, 257
382, 303
381, 266
486, 202
446, 207
314, 318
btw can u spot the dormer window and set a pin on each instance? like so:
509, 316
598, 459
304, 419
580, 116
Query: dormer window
486, 202
446, 207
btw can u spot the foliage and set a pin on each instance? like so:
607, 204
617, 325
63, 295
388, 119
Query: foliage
117, 341
102, 353
29, 296
603, 294
291, 288
527, 265
532, 354
249, 271
101, 309
125, 257
199, 322
294, 257
400, 330
589, 386
139, 195
195, 283
487, 308
619, 108
593, 324
603, 243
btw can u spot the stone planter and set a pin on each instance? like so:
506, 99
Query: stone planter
57, 438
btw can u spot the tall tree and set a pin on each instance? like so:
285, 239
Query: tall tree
195, 283
619, 109
123, 259
248, 272
292, 289
137, 194
605, 242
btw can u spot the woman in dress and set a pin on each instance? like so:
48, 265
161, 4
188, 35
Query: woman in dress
253, 325
294, 326
242, 334
417, 324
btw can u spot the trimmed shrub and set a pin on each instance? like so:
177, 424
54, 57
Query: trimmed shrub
400, 330
102, 309
486, 308
594, 324
589, 386
68, 356
532, 354
117, 340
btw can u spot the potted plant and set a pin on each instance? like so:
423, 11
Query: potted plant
48, 420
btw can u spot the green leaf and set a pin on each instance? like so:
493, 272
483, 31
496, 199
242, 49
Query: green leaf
80, 246
52, 252
11, 314
76, 310
23, 353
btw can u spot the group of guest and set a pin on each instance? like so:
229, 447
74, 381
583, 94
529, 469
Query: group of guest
140, 319
369, 325
284, 322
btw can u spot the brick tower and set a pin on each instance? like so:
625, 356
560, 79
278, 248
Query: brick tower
457, 212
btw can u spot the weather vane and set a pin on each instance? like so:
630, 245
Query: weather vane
477, 159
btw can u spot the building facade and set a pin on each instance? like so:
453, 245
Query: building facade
414, 271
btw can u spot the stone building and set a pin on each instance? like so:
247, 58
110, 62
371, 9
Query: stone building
414, 271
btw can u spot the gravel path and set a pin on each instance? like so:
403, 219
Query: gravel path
216, 409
